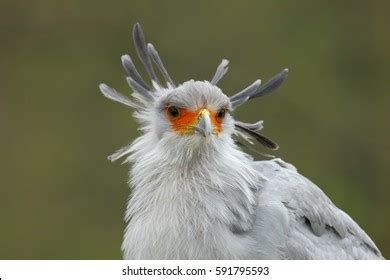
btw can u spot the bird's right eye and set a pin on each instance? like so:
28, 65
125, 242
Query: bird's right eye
173, 111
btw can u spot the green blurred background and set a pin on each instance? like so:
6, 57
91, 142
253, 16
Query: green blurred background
62, 199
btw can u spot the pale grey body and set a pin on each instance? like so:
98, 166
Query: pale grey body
199, 196
313, 227
284, 216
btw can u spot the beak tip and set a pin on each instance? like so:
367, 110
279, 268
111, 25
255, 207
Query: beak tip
201, 131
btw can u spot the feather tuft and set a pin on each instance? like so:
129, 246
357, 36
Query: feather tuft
112, 94
221, 71
132, 71
157, 60
142, 51
266, 142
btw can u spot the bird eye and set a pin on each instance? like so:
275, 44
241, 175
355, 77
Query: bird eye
221, 114
173, 111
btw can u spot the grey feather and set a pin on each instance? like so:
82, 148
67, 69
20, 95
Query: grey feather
138, 88
221, 71
246, 92
142, 51
271, 85
252, 126
242, 140
257, 90
132, 71
268, 143
116, 96
157, 60
119, 153
238, 102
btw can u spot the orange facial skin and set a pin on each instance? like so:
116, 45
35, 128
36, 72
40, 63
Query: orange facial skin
186, 121
216, 122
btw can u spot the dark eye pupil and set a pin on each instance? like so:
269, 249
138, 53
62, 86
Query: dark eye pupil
221, 114
173, 111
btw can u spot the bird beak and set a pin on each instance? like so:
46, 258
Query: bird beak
204, 126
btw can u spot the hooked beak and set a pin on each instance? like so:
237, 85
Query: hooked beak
204, 126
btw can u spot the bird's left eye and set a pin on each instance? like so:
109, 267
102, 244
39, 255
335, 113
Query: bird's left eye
173, 111
221, 114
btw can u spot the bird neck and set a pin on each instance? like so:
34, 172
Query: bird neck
187, 193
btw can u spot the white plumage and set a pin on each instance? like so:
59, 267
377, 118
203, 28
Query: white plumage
196, 194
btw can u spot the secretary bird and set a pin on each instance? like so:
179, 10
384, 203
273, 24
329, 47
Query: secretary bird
195, 193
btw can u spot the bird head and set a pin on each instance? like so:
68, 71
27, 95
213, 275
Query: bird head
195, 112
